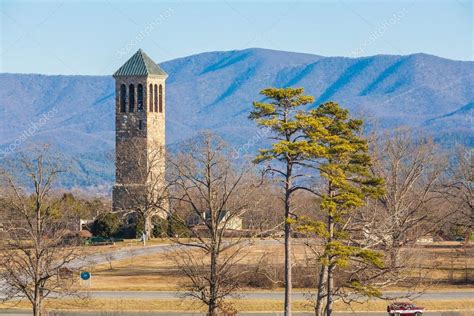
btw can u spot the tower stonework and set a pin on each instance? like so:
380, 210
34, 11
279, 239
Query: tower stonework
140, 109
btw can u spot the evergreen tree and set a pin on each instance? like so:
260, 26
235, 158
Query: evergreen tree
289, 150
344, 166
106, 225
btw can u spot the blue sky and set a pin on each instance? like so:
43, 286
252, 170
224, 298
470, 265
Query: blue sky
96, 37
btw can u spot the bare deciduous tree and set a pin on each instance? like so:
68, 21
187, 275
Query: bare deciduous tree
413, 170
210, 198
459, 189
39, 242
265, 218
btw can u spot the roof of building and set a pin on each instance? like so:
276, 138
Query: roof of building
139, 65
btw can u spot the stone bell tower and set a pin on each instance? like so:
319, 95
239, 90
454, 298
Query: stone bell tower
139, 131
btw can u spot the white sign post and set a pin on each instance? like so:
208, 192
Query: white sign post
86, 276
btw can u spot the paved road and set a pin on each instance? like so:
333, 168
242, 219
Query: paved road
163, 295
127, 253
119, 254
269, 295
452, 295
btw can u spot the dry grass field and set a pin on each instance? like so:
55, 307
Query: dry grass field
158, 272
239, 305
446, 266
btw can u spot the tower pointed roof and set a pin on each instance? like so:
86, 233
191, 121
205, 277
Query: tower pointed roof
139, 65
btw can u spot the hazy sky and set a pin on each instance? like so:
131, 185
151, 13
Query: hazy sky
96, 37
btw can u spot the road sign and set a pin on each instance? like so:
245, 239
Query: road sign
85, 275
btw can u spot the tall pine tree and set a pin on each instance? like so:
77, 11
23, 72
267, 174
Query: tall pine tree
289, 149
343, 163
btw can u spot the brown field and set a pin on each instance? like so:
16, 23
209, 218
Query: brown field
158, 272
447, 267
239, 305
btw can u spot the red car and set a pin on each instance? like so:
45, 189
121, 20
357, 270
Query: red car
401, 308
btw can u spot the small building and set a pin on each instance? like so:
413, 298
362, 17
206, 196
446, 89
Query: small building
428, 238
234, 223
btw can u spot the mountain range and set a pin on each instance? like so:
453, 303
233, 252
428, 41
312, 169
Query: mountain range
215, 90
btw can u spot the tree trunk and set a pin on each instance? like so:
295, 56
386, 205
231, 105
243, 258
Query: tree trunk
330, 300
148, 227
212, 308
37, 308
38, 293
288, 281
319, 307
330, 271
288, 285
394, 257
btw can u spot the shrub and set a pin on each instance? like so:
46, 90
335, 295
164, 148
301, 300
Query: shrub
169, 227
106, 225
